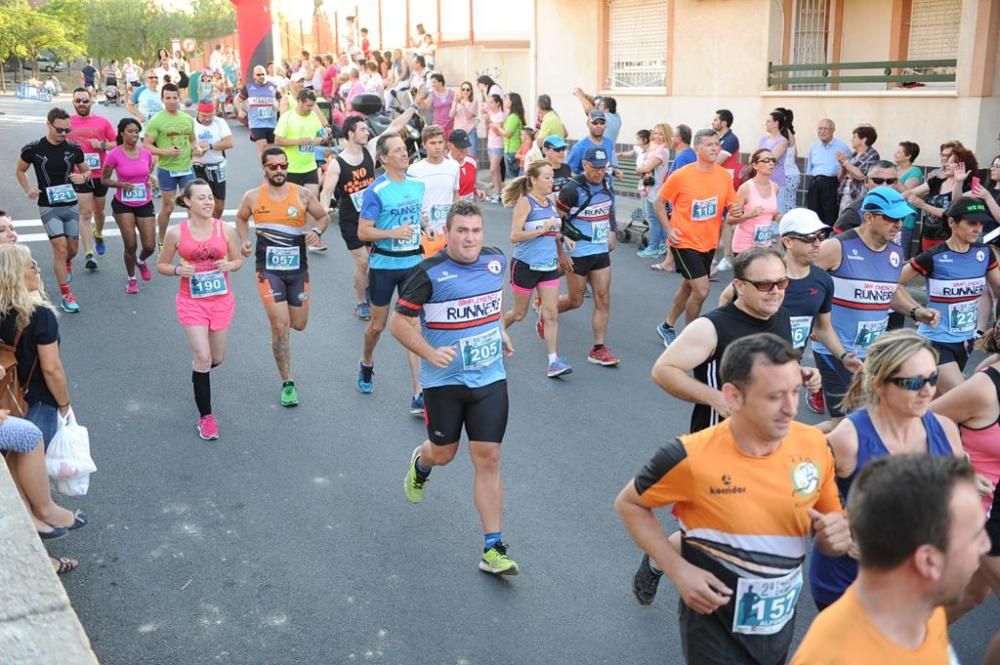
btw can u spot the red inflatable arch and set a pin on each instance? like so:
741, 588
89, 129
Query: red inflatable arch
253, 28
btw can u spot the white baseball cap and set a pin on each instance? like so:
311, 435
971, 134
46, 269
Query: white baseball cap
801, 221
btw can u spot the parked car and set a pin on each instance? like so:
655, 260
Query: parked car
46, 65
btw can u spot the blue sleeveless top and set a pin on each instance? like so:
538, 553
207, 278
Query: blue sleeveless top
539, 253
829, 577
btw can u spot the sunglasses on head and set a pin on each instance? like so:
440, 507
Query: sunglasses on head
914, 383
766, 286
819, 236
767, 160
885, 181
276, 167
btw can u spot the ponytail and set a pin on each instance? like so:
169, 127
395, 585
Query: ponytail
514, 190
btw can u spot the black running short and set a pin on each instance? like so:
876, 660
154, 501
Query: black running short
349, 232
692, 264
584, 265
383, 282
92, 186
482, 411
308, 178
145, 210
210, 176
266, 133
952, 352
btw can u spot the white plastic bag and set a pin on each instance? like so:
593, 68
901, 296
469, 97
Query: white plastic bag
68, 458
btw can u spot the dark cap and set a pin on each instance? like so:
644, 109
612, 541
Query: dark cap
969, 209
596, 156
459, 138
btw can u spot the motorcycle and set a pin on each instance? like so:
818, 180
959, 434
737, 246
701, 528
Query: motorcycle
370, 106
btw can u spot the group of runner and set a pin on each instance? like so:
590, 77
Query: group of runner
415, 232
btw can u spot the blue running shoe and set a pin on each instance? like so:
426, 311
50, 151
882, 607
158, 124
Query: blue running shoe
363, 310
666, 333
99, 245
366, 379
417, 406
558, 368
68, 303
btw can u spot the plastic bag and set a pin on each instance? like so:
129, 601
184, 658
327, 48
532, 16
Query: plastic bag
68, 458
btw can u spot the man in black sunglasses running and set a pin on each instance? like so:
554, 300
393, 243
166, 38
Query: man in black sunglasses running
882, 173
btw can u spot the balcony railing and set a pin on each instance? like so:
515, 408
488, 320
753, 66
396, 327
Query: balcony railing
904, 72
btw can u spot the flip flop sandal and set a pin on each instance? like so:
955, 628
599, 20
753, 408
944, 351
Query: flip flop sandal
80, 519
66, 565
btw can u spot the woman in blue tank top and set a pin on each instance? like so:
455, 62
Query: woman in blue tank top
535, 232
887, 404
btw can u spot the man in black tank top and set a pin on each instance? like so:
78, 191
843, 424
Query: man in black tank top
759, 279
344, 184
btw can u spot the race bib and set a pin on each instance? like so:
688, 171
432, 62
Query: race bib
439, 213
762, 234
208, 283
801, 325
216, 172
481, 350
307, 148
869, 331
180, 174
962, 316
764, 606
282, 258
135, 195
704, 209
357, 198
265, 113
599, 232
92, 159
60, 194
408, 244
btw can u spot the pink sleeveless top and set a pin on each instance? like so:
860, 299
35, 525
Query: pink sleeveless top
983, 445
202, 254
756, 231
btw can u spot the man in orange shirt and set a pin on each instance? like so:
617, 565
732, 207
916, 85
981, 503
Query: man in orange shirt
747, 493
698, 194
918, 525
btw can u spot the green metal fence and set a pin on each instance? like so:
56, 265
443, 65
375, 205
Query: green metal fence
892, 71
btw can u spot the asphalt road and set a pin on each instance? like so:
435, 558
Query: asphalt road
289, 540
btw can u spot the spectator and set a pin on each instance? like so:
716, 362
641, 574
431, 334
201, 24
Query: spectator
788, 198
366, 45
215, 60
823, 169
596, 125
609, 105
551, 124
527, 145
729, 159
385, 64
935, 196
511, 133
439, 102
493, 118
855, 166
372, 80
88, 76
653, 170
684, 154
427, 49
776, 140
487, 86
330, 72
355, 87
464, 111
910, 177
990, 192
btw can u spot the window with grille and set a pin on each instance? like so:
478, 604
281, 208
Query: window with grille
934, 29
809, 38
637, 43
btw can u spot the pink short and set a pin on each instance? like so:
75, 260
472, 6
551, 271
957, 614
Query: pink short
215, 311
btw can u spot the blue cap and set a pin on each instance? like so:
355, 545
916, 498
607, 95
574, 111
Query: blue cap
597, 156
597, 114
553, 141
887, 202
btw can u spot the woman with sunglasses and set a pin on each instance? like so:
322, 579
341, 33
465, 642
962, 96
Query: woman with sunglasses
888, 405
132, 205
934, 196
465, 112
758, 197
958, 273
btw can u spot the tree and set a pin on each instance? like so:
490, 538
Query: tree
210, 19
13, 16
41, 34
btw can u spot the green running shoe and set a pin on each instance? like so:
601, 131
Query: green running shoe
412, 485
496, 561
289, 395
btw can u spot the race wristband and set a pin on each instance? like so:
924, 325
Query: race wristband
842, 356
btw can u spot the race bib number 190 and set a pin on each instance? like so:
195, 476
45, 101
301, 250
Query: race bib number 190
209, 283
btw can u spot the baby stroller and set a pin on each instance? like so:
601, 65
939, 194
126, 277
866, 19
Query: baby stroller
111, 95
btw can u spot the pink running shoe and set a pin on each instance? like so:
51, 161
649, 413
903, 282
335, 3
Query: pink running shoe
144, 271
207, 428
132, 287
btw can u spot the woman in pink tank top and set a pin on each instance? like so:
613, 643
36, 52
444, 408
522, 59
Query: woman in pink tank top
756, 229
975, 406
209, 250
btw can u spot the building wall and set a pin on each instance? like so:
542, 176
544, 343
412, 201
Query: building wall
511, 67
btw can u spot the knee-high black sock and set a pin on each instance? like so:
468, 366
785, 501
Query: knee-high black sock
202, 392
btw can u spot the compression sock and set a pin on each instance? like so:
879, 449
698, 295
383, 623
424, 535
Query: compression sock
553, 357
422, 471
202, 392
64, 289
490, 539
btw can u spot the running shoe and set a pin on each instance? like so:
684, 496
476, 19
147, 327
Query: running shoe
558, 368
495, 199
208, 429
99, 245
540, 329
156, 190
724, 265
412, 485
144, 271
650, 252
69, 271
289, 395
132, 286
603, 357
417, 406
662, 249
90, 264
363, 310
68, 303
366, 378
587, 291
645, 582
816, 402
667, 333
496, 561
322, 247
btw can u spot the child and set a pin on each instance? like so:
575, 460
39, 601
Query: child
639, 150
527, 142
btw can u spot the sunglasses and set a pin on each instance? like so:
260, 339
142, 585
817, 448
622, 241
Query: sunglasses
885, 181
597, 122
914, 383
62, 130
767, 160
81, 101
562, 149
276, 167
466, 89
767, 286
819, 236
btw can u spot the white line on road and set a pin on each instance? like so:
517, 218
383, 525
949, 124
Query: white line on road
108, 232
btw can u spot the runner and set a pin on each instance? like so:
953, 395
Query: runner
918, 527
169, 135
956, 273
258, 104
698, 194
214, 138
554, 148
209, 250
535, 233
462, 341
145, 102
59, 165
132, 204
865, 264
95, 135
279, 211
344, 183
440, 177
390, 219
596, 122
587, 206
738, 567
